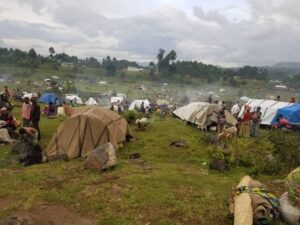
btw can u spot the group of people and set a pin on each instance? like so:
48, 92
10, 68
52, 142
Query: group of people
8, 123
249, 122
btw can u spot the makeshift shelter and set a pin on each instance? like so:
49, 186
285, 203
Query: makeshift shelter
114, 100
74, 98
268, 110
47, 98
160, 102
291, 113
138, 103
91, 101
30, 95
202, 114
87, 128
245, 99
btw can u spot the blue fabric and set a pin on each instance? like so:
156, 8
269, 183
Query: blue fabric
291, 113
47, 98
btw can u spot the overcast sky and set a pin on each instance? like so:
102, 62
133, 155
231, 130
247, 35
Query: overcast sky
221, 32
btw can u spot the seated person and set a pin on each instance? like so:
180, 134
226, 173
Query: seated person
5, 103
9, 122
29, 133
282, 122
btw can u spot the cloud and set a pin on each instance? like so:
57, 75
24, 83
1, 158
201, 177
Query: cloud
264, 33
211, 16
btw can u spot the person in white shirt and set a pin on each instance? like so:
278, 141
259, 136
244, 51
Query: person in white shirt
235, 110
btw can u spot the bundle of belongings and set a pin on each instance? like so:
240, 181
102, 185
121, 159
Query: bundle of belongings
290, 200
28, 150
251, 203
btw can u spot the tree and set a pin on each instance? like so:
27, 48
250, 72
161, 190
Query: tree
109, 65
32, 54
166, 65
52, 52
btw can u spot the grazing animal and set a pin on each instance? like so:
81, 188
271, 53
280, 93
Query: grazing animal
141, 123
228, 134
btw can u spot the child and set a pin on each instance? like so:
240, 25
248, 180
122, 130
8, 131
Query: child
29, 133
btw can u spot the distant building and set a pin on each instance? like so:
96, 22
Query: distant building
134, 69
67, 64
281, 87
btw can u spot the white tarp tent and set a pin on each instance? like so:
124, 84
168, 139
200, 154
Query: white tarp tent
138, 103
124, 96
74, 98
245, 99
30, 95
116, 100
91, 101
268, 109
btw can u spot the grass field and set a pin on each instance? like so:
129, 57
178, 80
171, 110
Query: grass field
168, 185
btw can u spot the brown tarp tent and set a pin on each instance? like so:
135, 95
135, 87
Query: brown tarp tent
87, 128
202, 114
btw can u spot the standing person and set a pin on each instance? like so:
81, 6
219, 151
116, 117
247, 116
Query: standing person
235, 110
209, 99
278, 98
26, 110
7, 92
35, 116
221, 120
245, 125
142, 108
14, 94
255, 121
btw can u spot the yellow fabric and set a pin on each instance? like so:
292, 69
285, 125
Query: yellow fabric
245, 129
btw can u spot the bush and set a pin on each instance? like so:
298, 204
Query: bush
130, 116
286, 149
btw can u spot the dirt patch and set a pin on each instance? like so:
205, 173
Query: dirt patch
51, 215
143, 164
6, 203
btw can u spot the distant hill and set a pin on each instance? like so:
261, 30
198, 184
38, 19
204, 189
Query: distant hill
287, 65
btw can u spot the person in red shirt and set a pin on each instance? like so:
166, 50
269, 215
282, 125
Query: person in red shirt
246, 122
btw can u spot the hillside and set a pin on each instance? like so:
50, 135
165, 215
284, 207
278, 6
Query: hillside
168, 185
287, 65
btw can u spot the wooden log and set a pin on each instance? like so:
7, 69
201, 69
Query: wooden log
243, 214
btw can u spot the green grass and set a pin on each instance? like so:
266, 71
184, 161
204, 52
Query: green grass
169, 186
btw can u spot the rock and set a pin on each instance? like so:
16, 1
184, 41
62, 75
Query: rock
219, 165
178, 143
101, 158
290, 213
11, 221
